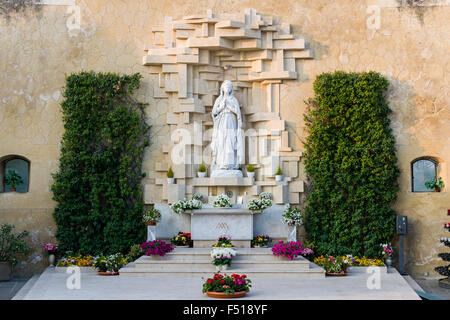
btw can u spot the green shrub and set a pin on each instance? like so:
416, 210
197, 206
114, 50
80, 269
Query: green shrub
170, 173
12, 245
279, 172
250, 168
202, 168
350, 158
98, 185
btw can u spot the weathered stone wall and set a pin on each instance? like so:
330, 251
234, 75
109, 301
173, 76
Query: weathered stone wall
405, 42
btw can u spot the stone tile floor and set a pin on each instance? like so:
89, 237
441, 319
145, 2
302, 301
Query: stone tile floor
52, 285
8, 289
432, 286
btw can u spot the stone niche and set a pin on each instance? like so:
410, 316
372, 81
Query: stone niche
188, 60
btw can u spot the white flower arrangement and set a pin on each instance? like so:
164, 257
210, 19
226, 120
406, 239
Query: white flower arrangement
292, 216
260, 204
265, 195
222, 201
197, 196
183, 205
222, 251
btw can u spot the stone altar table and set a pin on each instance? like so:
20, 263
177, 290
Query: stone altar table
208, 223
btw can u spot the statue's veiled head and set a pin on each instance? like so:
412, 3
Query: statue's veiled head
226, 88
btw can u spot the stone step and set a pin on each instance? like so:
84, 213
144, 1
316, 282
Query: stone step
255, 254
314, 271
206, 265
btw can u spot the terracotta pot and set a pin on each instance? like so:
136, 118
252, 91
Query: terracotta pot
341, 274
151, 223
13, 189
108, 273
222, 295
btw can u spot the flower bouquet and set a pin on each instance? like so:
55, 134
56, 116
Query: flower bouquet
262, 240
223, 286
50, 248
290, 250
223, 240
222, 257
387, 253
222, 201
156, 248
110, 265
182, 240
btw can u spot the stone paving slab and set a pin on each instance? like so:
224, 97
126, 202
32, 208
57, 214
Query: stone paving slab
52, 285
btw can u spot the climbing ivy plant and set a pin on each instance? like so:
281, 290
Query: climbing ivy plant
350, 158
98, 185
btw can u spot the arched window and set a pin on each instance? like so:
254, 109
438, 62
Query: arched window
20, 166
423, 170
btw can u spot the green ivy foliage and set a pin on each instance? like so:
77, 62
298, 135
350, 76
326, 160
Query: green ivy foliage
351, 160
98, 186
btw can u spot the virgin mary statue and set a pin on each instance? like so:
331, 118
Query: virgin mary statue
227, 141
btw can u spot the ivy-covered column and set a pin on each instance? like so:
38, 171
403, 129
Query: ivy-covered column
351, 160
98, 185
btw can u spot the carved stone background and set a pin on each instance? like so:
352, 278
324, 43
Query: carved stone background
189, 59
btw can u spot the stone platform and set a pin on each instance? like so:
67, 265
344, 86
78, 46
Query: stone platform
198, 261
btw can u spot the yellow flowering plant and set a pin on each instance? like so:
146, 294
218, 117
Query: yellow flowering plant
354, 261
79, 261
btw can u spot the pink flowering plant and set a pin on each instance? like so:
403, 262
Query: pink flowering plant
50, 248
156, 248
223, 240
290, 250
387, 250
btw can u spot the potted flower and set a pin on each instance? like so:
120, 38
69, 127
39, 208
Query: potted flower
336, 266
387, 253
259, 205
223, 240
156, 248
110, 265
11, 246
279, 174
261, 241
50, 249
13, 179
222, 201
290, 250
201, 171
250, 171
182, 240
222, 257
183, 205
437, 185
152, 216
223, 286
292, 216
170, 176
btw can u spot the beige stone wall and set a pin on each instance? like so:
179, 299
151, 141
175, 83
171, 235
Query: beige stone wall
39, 46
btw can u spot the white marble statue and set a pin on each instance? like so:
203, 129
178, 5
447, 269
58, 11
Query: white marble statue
227, 141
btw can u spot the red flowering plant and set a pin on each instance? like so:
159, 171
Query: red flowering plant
156, 248
227, 284
290, 250
182, 239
